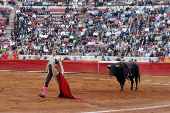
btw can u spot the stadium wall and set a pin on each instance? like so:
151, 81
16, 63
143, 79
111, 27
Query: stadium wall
153, 69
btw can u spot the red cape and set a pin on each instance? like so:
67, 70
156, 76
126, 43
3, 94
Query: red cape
64, 88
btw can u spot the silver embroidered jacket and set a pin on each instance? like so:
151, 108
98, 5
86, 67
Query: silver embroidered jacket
55, 61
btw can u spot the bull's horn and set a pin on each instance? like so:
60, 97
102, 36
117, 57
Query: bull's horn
108, 65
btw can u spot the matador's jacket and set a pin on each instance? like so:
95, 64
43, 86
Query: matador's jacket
53, 63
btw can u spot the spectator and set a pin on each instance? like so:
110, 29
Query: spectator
108, 59
21, 52
150, 60
147, 54
122, 59
67, 10
66, 58
103, 59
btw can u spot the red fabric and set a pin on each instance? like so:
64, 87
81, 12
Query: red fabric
34, 38
69, 30
32, 49
116, 21
163, 59
12, 1
13, 56
152, 17
137, 33
64, 88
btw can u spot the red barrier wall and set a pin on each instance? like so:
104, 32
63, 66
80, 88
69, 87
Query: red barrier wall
4, 64
40, 65
103, 68
18, 65
154, 69
160, 69
71, 65
23, 65
36, 65
89, 66
144, 68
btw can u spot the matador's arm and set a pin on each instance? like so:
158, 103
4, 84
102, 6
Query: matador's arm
61, 65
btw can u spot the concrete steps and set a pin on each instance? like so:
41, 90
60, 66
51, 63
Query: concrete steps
11, 19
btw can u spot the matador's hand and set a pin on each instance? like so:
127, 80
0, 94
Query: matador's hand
62, 73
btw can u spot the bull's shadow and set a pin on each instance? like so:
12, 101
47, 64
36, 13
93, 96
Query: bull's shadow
123, 71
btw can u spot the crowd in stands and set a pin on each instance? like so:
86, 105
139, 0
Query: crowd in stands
137, 31
115, 31
40, 36
7, 2
131, 2
4, 20
5, 9
3, 12
51, 2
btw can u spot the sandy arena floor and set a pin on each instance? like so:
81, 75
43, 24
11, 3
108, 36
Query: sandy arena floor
101, 93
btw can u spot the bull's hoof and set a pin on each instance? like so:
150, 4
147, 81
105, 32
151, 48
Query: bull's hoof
136, 89
121, 91
131, 89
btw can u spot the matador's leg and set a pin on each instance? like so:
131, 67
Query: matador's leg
48, 78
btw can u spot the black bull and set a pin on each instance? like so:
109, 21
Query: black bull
123, 71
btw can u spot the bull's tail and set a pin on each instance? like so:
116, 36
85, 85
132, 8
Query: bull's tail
139, 77
138, 73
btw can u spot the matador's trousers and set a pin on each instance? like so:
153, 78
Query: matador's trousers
52, 71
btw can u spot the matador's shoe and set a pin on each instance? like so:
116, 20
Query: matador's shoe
43, 96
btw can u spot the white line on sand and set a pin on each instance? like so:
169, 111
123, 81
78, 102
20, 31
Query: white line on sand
152, 107
41, 76
98, 79
105, 79
161, 76
156, 83
90, 78
166, 84
147, 80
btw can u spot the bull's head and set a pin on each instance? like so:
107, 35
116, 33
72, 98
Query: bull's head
112, 69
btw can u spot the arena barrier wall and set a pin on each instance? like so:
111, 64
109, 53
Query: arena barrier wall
154, 69
40, 65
